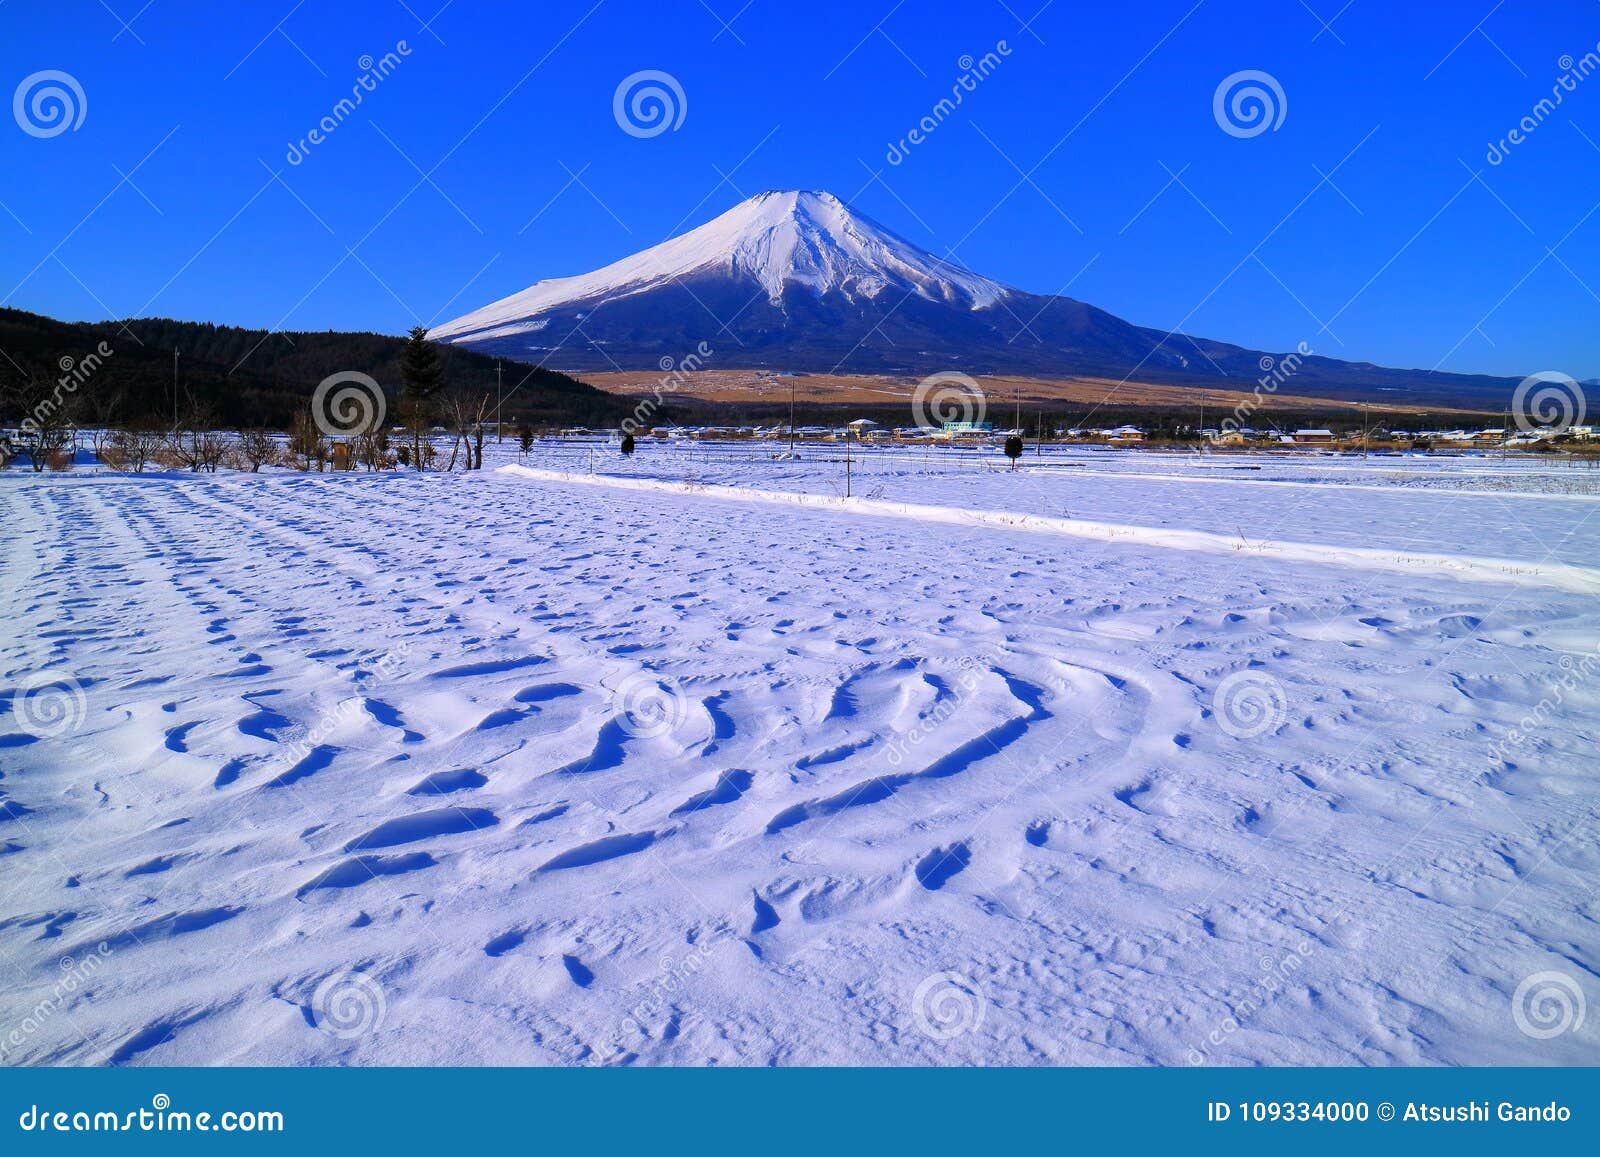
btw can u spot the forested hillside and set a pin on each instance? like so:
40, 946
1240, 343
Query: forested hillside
251, 377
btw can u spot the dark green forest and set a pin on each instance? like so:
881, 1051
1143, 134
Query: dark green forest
253, 378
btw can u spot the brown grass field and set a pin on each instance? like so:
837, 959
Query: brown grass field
772, 388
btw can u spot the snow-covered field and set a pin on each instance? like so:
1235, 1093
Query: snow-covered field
1154, 760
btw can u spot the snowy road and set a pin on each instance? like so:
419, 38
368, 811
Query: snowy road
491, 769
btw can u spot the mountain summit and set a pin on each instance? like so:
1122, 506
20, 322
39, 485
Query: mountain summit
771, 242
799, 281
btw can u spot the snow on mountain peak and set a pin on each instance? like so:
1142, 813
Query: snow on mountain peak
775, 239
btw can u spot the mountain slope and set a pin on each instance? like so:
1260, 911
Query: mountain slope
769, 242
798, 281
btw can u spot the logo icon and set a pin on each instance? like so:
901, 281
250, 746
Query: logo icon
948, 1004
1249, 703
1248, 103
48, 103
348, 402
1548, 1004
648, 103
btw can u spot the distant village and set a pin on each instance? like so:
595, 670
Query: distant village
304, 448
869, 432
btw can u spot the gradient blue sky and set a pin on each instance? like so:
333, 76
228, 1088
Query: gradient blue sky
1088, 163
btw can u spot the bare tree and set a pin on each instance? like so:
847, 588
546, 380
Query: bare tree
417, 417
210, 447
103, 407
48, 429
134, 447
257, 449
306, 443
196, 444
468, 419
371, 449
479, 426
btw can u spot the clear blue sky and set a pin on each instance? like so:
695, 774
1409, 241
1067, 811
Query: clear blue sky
1403, 257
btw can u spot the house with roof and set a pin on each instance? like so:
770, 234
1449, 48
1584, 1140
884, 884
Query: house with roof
1313, 437
965, 432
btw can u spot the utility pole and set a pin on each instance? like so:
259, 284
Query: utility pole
791, 416
499, 406
174, 387
847, 461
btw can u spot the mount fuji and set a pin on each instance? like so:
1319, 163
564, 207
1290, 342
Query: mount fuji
798, 281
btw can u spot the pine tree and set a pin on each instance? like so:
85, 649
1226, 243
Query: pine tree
420, 371
421, 377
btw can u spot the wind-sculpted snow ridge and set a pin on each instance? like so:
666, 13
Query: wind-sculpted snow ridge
491, 768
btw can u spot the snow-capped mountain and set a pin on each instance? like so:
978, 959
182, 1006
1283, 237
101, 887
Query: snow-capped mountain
773, 241
799, 281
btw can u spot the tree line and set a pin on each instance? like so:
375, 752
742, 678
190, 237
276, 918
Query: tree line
158, 370
53, 417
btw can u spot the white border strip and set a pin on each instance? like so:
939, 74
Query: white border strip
1580, 580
